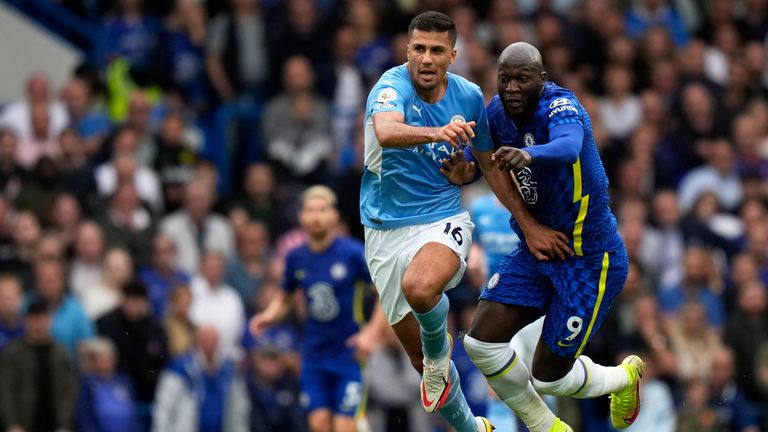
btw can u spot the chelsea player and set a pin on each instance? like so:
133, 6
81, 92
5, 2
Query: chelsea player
332, 272
417, 234
545, 136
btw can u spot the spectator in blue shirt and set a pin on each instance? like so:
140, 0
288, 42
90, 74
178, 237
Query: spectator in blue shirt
131, 35
70, 325
650, 13
162, 275
106, 401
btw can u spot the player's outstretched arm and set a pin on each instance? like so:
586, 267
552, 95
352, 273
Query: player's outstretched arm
392, 131
277, 309
543, 242
371, 336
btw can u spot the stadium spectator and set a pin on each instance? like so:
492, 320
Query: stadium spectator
85, 268
663, 246
247, 269
393, 390
131, 35
261, 201
619, 109
694, 342
700, 282
745, 331
43, 185
733, 408
178, 326
195, 229
127, 224
124, 168
236, 51
175, 160
70, 325
104, 296
17, 115
162, 274
296, 127
64, 219
658, 413
106, 399
648, 14
273, 390
216, 304
201, 391
75, 171
38, 387
85, 118
348, 89
141, 342
12, 174
11, 314
182, 51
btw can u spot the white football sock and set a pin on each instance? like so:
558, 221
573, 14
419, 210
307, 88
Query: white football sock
509, 377
586, 380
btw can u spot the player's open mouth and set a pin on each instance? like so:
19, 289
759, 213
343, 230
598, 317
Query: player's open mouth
514, 103
427, 74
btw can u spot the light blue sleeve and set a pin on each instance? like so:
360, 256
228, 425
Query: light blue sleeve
482, 140
389, 94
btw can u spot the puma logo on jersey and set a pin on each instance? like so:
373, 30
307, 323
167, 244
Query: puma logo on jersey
417, 109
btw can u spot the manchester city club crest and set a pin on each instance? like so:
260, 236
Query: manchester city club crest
458, 118
528, 140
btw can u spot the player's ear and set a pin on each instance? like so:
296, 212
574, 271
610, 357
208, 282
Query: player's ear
543, 76
453, 55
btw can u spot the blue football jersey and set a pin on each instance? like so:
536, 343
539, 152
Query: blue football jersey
569, 198
492, 230
403, 186
333, 282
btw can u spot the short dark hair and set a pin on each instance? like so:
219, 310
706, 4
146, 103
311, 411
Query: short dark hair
432, 21
135, 289
38, 308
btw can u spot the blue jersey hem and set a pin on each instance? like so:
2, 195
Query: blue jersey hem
411, 221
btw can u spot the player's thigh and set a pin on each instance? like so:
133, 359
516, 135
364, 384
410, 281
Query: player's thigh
407, 331
389, 253
438, 256
317, 390
343, 423
320, 420
585, 288
516, 295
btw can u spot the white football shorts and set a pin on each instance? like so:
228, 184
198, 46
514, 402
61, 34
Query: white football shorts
389, 252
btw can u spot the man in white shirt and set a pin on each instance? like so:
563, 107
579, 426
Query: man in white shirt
216, 304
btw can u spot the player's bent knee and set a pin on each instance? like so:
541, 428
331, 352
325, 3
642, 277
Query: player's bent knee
495, 359
419, 293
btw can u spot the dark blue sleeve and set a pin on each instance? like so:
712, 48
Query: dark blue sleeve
85, 417
469, 157
564, 145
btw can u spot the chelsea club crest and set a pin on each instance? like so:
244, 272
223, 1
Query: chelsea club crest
528, 140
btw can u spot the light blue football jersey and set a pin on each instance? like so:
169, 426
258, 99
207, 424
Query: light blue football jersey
492, 230
404, 186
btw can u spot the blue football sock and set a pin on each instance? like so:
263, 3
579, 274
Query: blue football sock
456, 410
434, 325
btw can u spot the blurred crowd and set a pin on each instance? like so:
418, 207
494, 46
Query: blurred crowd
129, 272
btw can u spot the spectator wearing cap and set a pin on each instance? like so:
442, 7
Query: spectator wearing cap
201, 391
106, 400
38, 389
140, 340
273, 390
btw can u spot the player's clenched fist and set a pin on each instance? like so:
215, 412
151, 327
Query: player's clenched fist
455, 133
511, 158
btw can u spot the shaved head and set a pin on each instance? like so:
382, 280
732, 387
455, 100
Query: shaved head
522, 54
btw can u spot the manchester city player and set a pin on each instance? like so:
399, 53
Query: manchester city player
544, 135
332, 272
417, 235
